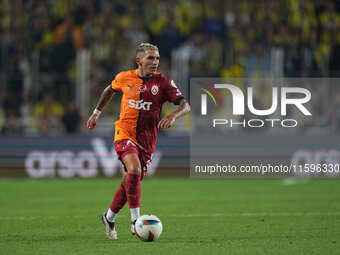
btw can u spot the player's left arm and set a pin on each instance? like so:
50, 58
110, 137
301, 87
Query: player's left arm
182, 109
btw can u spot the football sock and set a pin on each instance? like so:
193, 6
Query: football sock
134, 214
111, 216
119, 200
133, 191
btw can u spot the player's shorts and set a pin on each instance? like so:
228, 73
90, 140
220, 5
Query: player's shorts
125, 146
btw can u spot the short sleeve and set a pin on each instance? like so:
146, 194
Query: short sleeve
172, 93
116, 84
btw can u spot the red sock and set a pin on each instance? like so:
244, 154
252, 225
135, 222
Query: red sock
119, 199
133, 190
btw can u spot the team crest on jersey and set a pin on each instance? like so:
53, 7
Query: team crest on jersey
154, 90
142, 88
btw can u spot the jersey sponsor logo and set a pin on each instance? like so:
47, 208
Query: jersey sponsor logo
154, 90
139, 104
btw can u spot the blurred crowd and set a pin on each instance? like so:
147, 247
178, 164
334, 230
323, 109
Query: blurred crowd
39, 42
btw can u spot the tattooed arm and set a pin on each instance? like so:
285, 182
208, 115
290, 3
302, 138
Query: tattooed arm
105, 97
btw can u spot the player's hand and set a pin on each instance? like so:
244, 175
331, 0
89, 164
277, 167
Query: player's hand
166, 122
92, 121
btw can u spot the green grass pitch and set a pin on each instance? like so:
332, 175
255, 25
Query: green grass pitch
198, 216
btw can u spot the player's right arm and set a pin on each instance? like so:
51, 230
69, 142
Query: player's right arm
105, 97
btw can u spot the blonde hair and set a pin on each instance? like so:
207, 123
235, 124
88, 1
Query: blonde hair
144, 47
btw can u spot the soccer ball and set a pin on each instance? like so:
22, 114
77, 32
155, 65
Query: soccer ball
148, 228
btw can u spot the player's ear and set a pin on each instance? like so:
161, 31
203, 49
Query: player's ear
138, 60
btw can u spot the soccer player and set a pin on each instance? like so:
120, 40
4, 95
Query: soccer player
144, 92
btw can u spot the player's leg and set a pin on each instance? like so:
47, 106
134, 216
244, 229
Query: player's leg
130, 188
117, 204
118, 201
144, 161
132, 184
122, 147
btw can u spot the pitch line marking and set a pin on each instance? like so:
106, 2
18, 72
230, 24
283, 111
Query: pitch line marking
246, 214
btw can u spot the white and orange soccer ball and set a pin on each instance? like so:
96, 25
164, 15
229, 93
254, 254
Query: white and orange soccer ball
148, 228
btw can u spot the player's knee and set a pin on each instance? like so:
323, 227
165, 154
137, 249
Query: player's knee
132, 164
134, 170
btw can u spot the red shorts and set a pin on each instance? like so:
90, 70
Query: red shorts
125, 146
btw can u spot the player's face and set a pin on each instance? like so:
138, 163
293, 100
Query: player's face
149, 62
